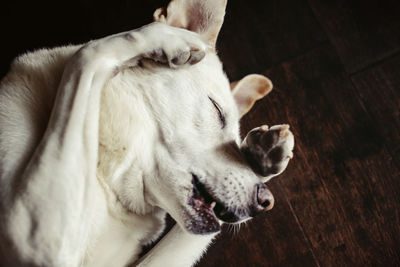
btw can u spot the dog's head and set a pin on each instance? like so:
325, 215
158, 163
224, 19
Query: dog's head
196, 167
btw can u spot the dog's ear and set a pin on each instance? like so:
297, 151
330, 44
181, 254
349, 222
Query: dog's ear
248, 90
202, 16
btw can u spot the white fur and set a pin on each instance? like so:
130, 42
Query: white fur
94, 150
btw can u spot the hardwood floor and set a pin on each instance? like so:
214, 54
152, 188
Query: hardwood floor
338, 202
336, 70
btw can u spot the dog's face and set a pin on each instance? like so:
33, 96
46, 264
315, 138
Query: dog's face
192, 160
201, 174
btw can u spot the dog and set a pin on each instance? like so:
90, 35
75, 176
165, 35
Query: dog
99, 141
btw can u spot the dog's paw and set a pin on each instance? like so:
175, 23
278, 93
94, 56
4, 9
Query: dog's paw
174, 46
175, 58
268, 150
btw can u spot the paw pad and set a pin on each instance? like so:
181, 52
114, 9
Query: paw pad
268, 150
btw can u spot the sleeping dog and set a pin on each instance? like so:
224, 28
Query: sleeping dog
99, 141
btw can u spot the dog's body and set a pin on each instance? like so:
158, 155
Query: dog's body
128, 140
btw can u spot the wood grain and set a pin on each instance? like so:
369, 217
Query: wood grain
379, 91
271, 239
363, 32
343, 188
262, 33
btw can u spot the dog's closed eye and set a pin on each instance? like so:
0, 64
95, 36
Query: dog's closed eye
220, 112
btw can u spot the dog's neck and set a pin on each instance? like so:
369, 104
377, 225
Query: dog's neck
115, 188
122, 155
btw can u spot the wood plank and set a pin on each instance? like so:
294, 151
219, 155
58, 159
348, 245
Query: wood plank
270, 239
343, 186
379, 90
362, 32
258, 35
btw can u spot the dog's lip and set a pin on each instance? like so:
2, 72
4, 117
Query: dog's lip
201, 194
203, 200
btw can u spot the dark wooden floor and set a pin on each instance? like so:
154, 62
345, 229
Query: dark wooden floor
336, 70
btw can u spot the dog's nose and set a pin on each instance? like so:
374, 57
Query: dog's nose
263, 199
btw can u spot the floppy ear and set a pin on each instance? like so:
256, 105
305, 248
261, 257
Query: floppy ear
202, 16
248, 90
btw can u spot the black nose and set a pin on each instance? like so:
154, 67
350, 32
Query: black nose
263, 199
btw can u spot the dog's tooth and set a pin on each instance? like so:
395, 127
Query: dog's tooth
213, 204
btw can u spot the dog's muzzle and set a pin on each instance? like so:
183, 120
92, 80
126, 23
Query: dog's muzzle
262, 200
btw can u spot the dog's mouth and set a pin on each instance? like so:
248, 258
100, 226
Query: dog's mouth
209, 209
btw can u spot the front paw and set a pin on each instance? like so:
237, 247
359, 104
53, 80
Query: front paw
174, 58
174, 46
268, 151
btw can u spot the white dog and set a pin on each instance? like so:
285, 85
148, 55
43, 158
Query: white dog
98, 141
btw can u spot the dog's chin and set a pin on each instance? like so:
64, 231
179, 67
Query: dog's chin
205, 214
202, 221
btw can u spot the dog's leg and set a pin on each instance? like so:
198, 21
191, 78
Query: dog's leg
178, 248
56, 203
